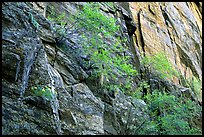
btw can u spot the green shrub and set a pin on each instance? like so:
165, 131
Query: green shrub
195, 85
170, 115
159, 64
44, 92
97, 31
138, 93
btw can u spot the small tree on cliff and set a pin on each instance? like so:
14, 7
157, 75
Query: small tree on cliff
159, 65
97, 34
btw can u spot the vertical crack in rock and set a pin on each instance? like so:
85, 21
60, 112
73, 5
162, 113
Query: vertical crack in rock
30, 56
135, 52
140, 31
54, 102
186, 60
168, 27
131, 26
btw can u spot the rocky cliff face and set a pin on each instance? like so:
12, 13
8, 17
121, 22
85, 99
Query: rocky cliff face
175, 28
31, 57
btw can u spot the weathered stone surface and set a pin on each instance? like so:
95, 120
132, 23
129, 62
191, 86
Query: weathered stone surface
129, 23
124, 116
174, 28
32, 57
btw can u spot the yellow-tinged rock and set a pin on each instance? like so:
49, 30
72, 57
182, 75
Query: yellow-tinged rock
174, 28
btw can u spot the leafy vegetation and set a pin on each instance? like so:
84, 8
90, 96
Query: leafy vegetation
97, 31
159, 64
155, 66
138, 93
44, 92
170, 115
195, 85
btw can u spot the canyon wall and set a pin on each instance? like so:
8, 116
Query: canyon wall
31, 57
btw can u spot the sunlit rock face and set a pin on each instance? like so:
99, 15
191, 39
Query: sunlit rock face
31, 57
175, 28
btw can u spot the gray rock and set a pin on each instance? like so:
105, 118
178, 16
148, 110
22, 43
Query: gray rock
32, 57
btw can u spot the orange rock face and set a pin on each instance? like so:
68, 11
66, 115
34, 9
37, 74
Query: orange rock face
175, 28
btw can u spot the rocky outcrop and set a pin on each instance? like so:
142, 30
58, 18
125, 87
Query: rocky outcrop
33, 57
175, 28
